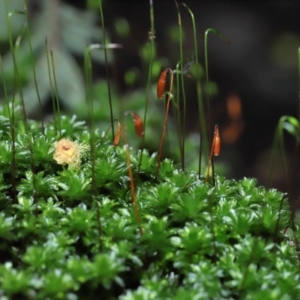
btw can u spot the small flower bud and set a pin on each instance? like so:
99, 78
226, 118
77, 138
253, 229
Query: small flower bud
70, 153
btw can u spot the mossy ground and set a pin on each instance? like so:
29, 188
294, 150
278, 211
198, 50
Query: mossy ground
61, 238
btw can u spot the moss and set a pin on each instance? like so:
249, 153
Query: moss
62, 240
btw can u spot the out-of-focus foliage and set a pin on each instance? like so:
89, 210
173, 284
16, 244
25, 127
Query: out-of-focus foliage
68, 32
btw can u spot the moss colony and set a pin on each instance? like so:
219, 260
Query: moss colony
72, 233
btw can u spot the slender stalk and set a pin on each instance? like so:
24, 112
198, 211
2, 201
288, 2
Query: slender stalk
202, 123
13, 159
17, 83
51, 84
55, 91
183, 127
213, 30
11, 112
33, 68
179, 132
292, 126
278, 148
215, 150
117, 135
169, 97
152, 45
89, 101
12, 132
132, 186
6, 94
90, 110
13, 53
210, 166
282, 150
106, 68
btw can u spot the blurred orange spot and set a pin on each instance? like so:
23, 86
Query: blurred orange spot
232, 132
234, 107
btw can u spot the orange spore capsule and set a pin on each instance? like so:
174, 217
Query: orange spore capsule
138, 124
118, 135
161, 83
216, 142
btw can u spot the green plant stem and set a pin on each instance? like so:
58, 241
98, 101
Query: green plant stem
33, 68
282, 150
17, 83
211, 164
149, 78
213, 30
11, 113
13, 53
90, 108
55, 91
169, 97
183, 127
107, 69
5, 93
51, 85
179, 132
132, 187
202, 123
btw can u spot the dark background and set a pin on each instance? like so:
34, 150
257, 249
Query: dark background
260, 66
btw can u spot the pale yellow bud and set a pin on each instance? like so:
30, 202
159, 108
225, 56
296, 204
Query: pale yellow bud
69, 152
